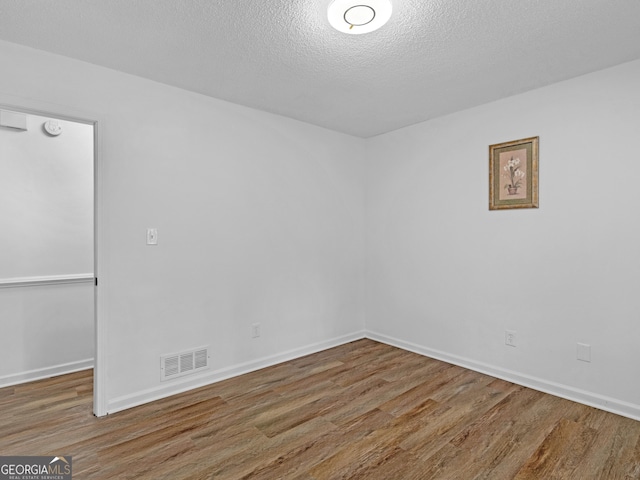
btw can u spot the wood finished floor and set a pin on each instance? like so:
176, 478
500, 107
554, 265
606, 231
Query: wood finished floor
363, 410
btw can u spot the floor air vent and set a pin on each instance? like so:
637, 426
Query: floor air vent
184, 363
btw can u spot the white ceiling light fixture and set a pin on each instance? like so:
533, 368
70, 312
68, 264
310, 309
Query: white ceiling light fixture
359, 16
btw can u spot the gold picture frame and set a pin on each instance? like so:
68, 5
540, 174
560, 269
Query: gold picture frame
513, 174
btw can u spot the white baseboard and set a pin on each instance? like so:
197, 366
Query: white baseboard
595, 400
47, 372
208, 377
184, 384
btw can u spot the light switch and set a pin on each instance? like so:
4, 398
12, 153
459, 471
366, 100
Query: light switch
152, 236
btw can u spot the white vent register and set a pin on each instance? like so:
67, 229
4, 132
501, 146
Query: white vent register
184, 363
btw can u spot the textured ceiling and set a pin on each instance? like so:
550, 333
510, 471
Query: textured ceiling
432, 58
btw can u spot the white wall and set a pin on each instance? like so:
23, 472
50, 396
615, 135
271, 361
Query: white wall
260, 219
46, 330
46, 212
46, 200
446, 276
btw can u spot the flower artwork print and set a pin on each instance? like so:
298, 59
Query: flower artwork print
513, 173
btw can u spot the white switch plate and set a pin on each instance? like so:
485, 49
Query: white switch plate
510, 338
584, 352
152, 236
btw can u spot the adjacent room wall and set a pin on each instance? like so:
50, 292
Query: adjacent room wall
447, 277
46, 200
46, 207
260, 220
47, 330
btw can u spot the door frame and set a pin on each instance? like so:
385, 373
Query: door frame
35, 107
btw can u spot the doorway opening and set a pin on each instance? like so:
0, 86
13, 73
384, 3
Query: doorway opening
48, 261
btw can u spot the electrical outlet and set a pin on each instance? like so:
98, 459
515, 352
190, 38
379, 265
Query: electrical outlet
255, 330
584, 352
510, 338
152, 236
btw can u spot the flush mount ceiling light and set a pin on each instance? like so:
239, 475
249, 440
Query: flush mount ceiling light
358, 16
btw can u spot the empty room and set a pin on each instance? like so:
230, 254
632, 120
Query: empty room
319, 239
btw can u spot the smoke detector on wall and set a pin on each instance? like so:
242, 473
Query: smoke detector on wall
358, 16
52, 127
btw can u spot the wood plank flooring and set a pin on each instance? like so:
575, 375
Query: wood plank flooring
363, 410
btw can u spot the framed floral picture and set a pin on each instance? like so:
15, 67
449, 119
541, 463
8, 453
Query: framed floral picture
513, 174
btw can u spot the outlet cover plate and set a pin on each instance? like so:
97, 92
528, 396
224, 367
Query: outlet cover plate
152, 236
510, 338
584, 352
255, 330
